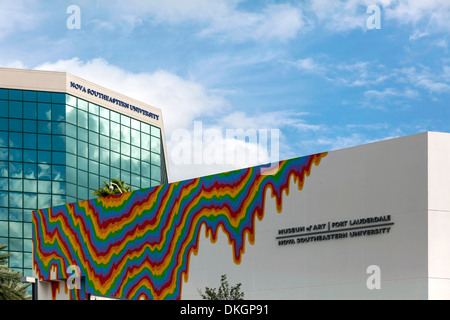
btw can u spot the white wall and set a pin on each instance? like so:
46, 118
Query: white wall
383, 178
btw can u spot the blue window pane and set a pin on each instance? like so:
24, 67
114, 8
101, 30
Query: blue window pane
44, 127
156, 132
30, 186
30, 126
71, 190
58, 200
115, 130
71, 160
115, 116
4, 199
135, 138
71, 175
135, 124
93, 123
71, 130
104, 170
94, 138
124, 120
125, 176
4, 169
135, 166
44, 201
15, 155
4, 108
70, 100
82, 119
71, 115
145, 141
30, 141
115, 173
156, 145
155, 183
82, 178
3, 154
125, 149
115, 159
82, 149
44, 142
125, 164
15, 95
83, 134
15, 200
145, 182
115, 145
4, 184
136, 181
4, 139
45, 186
30, 171
59, 98
71, 145
30, 156
44, 157
58, 158
16, 260
94, 109
59, 188
3, 216
156, 159
30, 200
82, 163
44, 97
104, 126
16, 170
28, 246
104, 142
145, 155
104, 113
44, 172
44, 111
145, 169
14, 124
30, 96
58, 143
59, 173
15, 140
58, 112
156, 173
83, 105
93, 181
30, 110
16, 185
93, 167
4, 94
15, 109
59, 128
4, 123
15, 244
135, 152
125, 134
83, 193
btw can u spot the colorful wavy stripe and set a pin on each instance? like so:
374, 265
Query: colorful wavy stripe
138, 245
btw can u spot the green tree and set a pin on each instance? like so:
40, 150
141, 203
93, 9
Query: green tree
225, 292
11, 288
113, 188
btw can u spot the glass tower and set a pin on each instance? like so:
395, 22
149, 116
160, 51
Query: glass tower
57, 148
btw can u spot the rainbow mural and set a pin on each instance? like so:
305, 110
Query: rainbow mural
137, 245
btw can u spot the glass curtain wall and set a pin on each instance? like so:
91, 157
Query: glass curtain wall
55, 149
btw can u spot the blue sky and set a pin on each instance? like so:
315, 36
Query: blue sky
311, 69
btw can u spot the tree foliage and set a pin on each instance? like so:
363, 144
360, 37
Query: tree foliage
225, 292
11, 288
106, 191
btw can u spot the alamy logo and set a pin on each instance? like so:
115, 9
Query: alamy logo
374, 280
74, 20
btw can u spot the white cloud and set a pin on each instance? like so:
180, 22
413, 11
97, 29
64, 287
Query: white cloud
223, 18
17, 16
